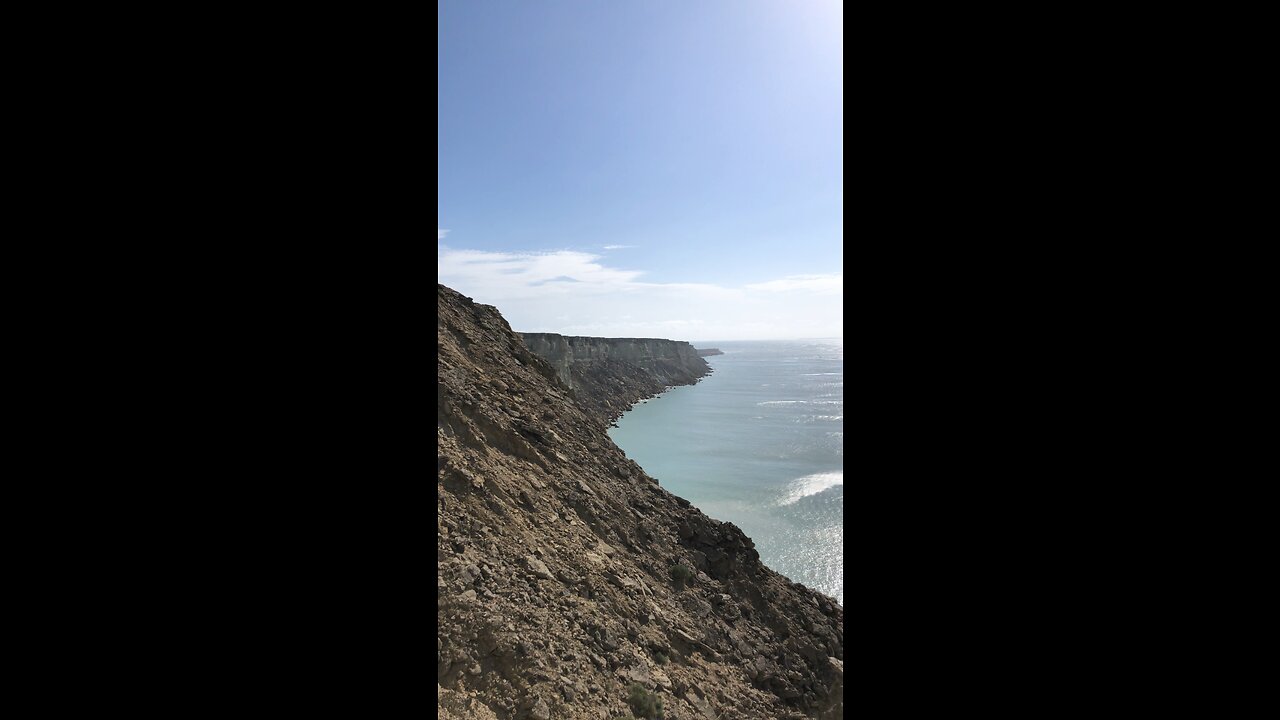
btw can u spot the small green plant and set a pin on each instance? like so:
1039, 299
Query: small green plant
660, 658
681, 573
644, 704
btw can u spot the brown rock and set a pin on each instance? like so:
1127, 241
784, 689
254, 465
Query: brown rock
538, 568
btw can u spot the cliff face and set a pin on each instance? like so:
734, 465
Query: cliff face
609, 375
567, 576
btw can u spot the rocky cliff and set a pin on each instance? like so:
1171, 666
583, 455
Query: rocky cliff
609, 375
571, 585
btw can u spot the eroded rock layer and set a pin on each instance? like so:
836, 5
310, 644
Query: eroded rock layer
609, 375
569, 581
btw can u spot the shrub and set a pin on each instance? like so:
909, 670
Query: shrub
660, 658
681, 573
644, 704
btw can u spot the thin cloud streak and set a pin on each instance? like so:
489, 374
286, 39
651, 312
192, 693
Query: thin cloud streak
573, 293
824, 284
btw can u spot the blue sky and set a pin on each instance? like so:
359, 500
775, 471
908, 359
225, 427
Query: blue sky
659, 168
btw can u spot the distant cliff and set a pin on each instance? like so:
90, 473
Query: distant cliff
708, 352
609, 375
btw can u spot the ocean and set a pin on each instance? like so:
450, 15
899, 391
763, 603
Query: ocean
759, 443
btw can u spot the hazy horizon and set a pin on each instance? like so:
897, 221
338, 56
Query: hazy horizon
699, 343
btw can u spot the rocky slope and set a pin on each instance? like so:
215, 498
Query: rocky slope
569, 580
609, 375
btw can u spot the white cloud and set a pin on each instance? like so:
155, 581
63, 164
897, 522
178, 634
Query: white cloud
573, 293
617, 247
440, 234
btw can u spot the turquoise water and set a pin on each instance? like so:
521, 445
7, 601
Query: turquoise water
759, 443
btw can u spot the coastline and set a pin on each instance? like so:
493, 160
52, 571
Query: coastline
759, 451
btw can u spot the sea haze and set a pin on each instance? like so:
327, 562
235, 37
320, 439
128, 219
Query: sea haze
759, 443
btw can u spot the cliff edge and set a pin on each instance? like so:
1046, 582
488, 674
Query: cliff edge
571, 585
609, 375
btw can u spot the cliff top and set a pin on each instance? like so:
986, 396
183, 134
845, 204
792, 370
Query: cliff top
604, 339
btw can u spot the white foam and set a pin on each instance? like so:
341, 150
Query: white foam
801, 402
812, 485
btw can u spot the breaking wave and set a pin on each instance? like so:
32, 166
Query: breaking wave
801, 402
812, 485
